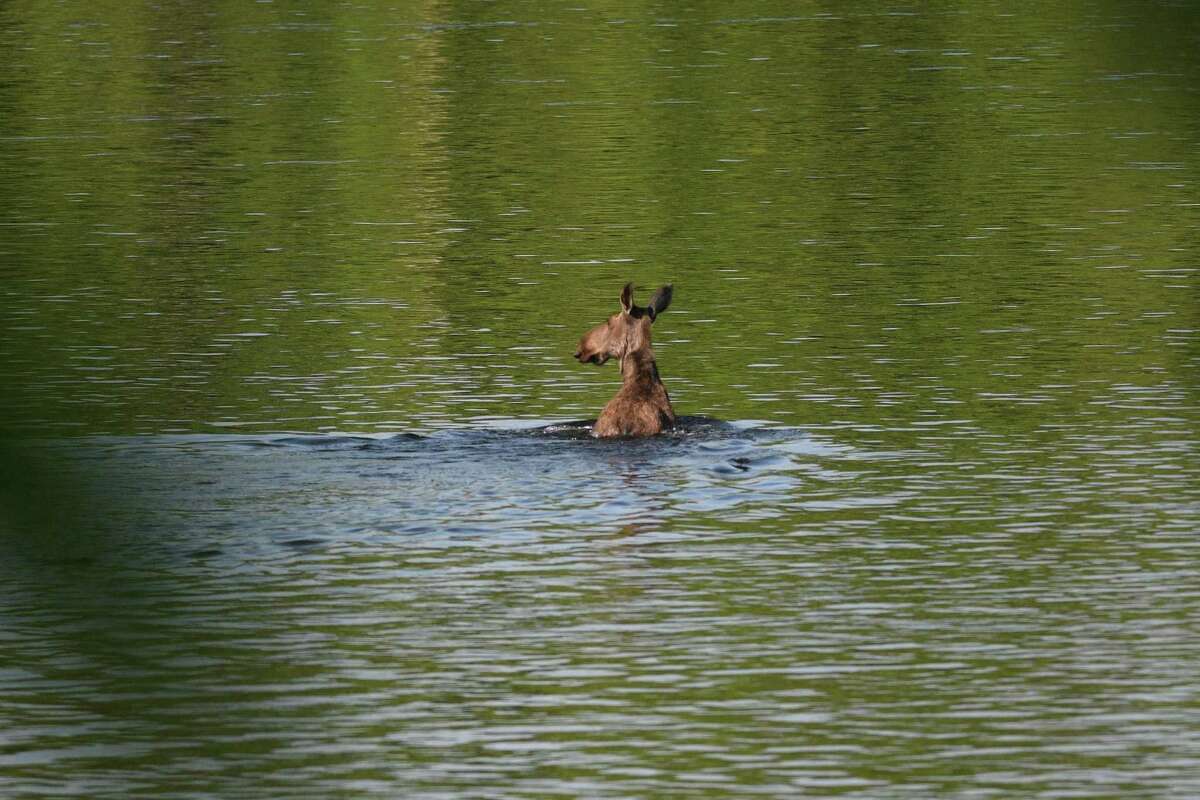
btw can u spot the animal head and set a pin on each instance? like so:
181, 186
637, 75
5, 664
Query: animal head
624, 332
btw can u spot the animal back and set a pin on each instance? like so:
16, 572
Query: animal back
636, 414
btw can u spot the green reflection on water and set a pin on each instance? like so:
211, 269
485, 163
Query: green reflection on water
277, 216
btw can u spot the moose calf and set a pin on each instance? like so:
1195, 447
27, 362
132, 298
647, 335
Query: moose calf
641, 407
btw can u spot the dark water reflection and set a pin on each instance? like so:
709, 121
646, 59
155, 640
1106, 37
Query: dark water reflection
288, 289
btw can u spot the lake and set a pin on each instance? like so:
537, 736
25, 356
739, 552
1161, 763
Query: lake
295, 501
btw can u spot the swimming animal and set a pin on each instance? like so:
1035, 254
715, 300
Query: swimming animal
641, 407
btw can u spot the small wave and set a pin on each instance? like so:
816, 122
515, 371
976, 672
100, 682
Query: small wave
330, 441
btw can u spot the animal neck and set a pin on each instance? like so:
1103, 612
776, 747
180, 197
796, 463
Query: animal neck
638, 366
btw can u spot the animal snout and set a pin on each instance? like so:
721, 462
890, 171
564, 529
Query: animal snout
586, 357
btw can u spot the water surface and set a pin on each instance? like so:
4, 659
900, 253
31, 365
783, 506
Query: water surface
290, 293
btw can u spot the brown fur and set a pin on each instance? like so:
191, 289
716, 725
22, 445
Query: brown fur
642, 406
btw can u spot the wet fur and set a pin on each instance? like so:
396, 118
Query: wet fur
642, 406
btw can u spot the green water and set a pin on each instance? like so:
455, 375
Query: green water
287, 216
936, 263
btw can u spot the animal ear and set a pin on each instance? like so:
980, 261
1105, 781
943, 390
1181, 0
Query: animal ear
627, 298
659, 302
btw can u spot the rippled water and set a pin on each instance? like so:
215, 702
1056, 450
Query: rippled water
729, 610
291, 503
